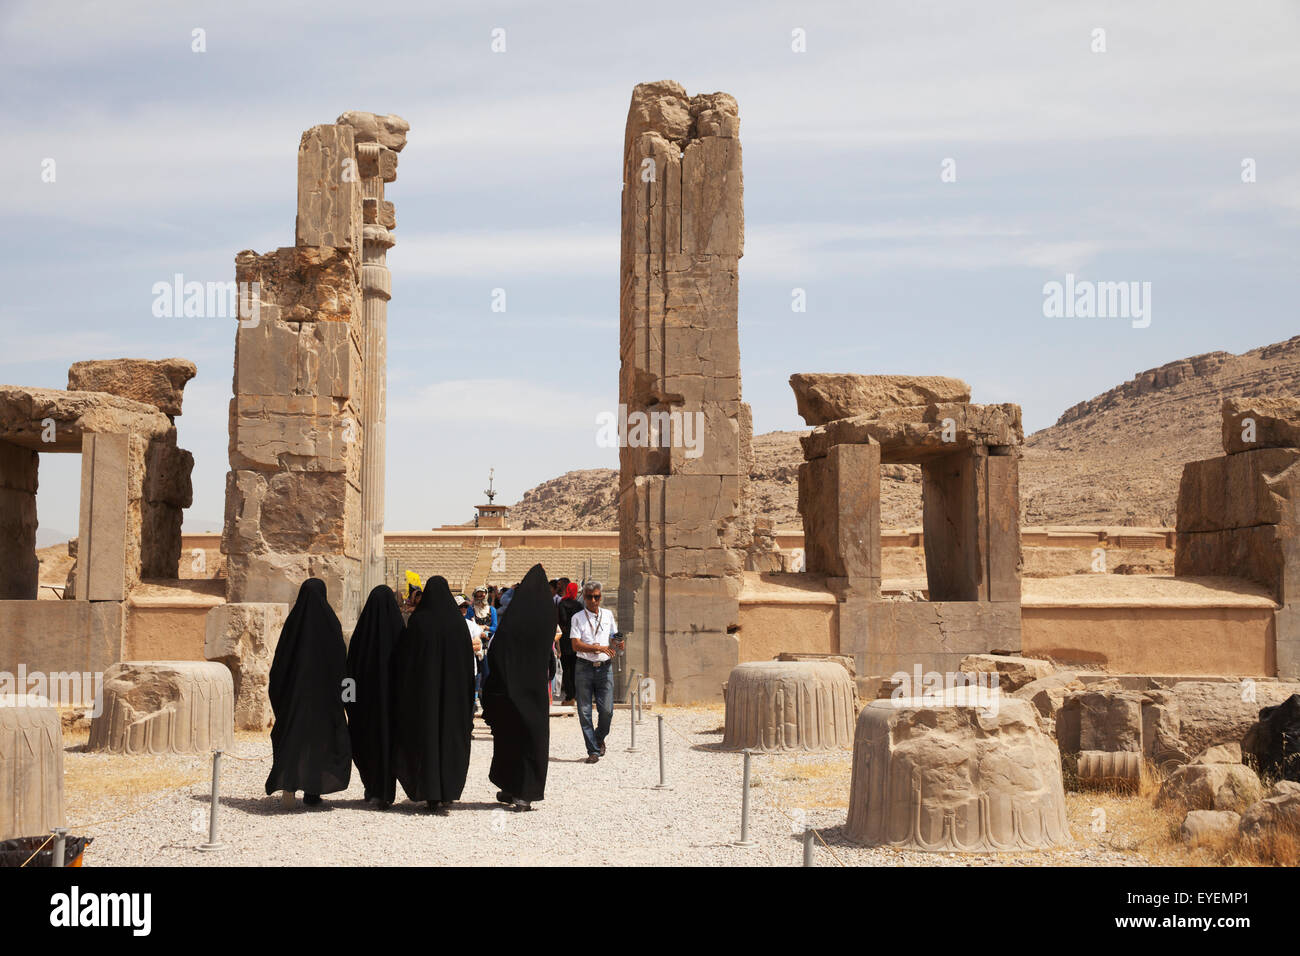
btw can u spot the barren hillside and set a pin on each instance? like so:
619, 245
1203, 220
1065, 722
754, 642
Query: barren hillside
1115, 459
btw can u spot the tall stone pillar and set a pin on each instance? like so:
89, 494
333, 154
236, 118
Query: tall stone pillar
378, 141
682, 523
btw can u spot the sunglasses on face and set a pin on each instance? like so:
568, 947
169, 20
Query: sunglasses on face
593, 597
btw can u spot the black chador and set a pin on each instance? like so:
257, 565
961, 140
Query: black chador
310, 736
370, 657
433, 699
516, 694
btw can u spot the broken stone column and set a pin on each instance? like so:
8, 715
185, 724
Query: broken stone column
684, 453
158, 707
19, 568
969, 771
789, 705
31, 767
378, 141
1239, 514
293, 493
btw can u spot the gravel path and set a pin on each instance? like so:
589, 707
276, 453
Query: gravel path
607, 813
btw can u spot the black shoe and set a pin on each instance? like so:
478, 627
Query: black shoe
593, 758
602, 750
437, 807
311, 799
521, 805
503, 797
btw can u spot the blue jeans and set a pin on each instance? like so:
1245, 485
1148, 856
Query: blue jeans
594, 682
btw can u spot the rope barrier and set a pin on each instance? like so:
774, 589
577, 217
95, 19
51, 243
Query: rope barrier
249, 759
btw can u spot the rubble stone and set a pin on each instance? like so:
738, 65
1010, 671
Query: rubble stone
160, 383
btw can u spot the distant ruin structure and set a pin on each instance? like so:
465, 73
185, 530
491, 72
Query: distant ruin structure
682, 524
1239, 514
119, 414
969, 457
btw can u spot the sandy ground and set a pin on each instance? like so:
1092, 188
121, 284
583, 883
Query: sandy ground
607, 813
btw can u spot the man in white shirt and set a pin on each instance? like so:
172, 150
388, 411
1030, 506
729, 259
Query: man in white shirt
591, 631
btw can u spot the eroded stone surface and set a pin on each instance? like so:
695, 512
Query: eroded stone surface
824, 397
156, 707
31, 766
160, 383
1253, 423
243, 638
1013, 672
790, 705
957, 776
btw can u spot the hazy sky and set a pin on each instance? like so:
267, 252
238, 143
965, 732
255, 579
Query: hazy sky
1122, 165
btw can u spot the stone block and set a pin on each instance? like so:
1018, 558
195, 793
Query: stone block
293, 432
31, 767
158, 707
824, 397
1013, 672
1107, 720
913, 434
102, 568
298, 359
388, 130
890, 636
955, 775
1222, 712
712, 197
1218, 786
1279, 811
780, 705
1271, 423
1203, 826
329, 189
80, 638
697, 665
1253, 487
160, 383
243, 637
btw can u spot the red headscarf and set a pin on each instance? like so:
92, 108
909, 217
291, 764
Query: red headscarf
571, 591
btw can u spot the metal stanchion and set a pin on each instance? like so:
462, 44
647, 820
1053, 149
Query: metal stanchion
744, 806
662, 784
809, 838
633, 749
60, 843
214, 806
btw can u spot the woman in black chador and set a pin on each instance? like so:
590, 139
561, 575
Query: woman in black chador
370, 657
433, 700
516, 696
310, 736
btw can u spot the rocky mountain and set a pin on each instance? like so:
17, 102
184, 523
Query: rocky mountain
1118, 458
1113, 460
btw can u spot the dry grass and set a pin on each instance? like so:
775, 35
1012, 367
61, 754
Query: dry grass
96, 786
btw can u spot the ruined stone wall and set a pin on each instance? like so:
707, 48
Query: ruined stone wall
682, 524
1239, 514
304, 495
